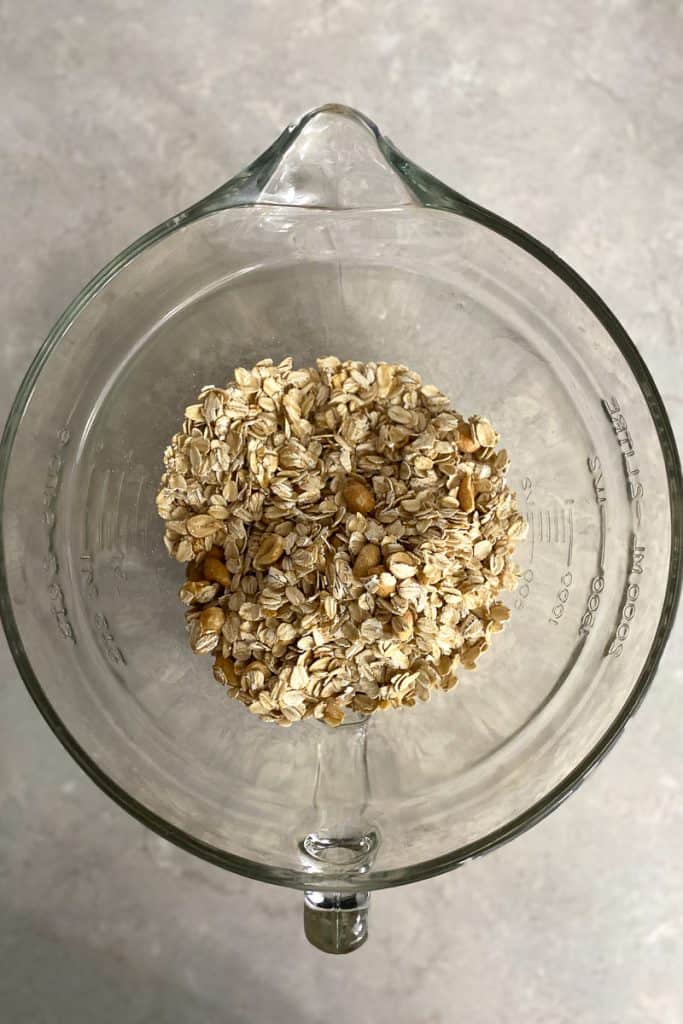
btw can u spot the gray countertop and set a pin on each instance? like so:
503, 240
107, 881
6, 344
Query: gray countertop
568, 119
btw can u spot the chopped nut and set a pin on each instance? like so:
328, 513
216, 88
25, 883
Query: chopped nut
358, 498
465, 441
402, 565
214, 569
367, 560
224, 671
386, 584
333, 714
194, 571
466, 494
212, 619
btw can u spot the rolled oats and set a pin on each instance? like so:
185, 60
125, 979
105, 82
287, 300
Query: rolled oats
346, 536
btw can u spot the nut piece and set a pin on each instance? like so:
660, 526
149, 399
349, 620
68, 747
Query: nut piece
367, 561
212, 619
466, 443
334, 714
271, 549
224, 672
194, 571
386, 584
466, 494
358, 497
197, 592
213, 569
402, 565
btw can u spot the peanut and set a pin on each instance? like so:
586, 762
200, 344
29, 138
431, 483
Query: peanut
214, 569
367, 561
194, 572
212, 619
402, 565
224, 671
466, 494
387, 585
466, 443
358, 497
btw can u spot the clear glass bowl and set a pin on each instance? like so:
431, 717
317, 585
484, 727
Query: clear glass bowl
333, 242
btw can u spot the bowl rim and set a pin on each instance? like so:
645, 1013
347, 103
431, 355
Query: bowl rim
432, 194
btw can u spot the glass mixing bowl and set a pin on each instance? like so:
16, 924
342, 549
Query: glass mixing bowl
333, 242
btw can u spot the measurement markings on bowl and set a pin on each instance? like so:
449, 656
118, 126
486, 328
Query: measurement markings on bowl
630, 597
51, 562
548, 526
104, 633
634, 487
636, 495
597, 583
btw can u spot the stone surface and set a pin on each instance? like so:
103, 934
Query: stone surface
566, 118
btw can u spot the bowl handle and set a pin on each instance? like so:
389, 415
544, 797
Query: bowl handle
336, 922
341, 845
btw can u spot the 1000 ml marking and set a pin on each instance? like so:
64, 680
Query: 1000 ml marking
561, 598
592, 605
524, 588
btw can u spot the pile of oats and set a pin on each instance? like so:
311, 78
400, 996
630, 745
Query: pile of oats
346, 536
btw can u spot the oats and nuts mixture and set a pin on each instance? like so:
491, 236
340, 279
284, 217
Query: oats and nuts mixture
346, 536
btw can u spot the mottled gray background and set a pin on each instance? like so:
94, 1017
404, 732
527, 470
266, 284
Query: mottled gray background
567, 118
